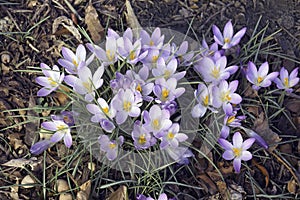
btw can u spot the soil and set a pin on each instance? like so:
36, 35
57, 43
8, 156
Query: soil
27, 38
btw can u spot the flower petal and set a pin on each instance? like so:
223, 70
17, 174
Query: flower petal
237, 140
68, 140
56, 137
225, 144
237, 162
228, 155
246, 155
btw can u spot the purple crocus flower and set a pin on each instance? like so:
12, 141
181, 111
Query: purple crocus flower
72, 62
237, 150
227, 39
167, 71
225, 93
131, 51
40, 147
215, 71
260, 78
50, 81
184, 57
154, 41
126, 104
170, 106
142, 137
107, 56
163, 196
166, 90
208, 51
65, 116
87, 82
230, 120
62, 131
121, 82
171, 137
287, 81
204, 100
111, 147
156, 120
179, 154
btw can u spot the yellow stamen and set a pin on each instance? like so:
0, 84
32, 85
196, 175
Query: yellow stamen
105, 110
156, 124
167, 74
142, 139
286, 82
165, 94
227, 40
87, 85
237, 152
61, 127
170, 135
226, 96
230, 119
139, 88
52, 82
205, 101
127, 106
154, 58
132, 55
259, 79
110, 56
151, 43
75, 62
215, 72
112, 145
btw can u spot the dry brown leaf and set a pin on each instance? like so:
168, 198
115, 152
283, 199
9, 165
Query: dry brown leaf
208, 184
21, 162
261, 127
93, 24
293, 105
119, 194
292, 186
68, 24
132, 20
263, 170
85, 191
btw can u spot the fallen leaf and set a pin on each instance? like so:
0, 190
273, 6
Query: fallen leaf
207, 184
292, 186
263, 170
32, 126
293, 105
261, 127
119, 194
85, 190
93, 24
14, 191
132, 21
68, 24
61, 185
21, 163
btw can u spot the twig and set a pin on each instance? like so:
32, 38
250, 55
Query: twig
282, 160
73, 10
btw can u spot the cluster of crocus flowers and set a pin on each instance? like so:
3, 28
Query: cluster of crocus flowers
162, 196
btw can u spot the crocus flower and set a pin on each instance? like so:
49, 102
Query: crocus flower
237, 150
142, 137
171, 137
120, 82
208, 51
184, 57
131, 51
225, 93
256, 136
50, 81
230, 120
126, 104
72, 62
260, 78
154, 41
204, 100
166, 90
65, 116
170, 106
227, 39
163, 196
62, 131
107, 56
40, 146
179, 154
214, 71
156, 120
287, 81
110, 146
167, 70
87, 82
